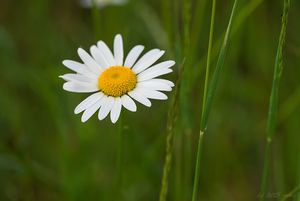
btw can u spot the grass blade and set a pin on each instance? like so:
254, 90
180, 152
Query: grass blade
241, 17
208, 99
273, 105
172, 117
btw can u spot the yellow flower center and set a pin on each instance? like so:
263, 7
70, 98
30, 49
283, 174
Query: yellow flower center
116, 81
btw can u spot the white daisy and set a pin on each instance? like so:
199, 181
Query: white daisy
115, 82
101, 3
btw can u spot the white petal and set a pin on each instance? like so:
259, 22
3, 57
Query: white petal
128, 103
140, 98
145, 62
91, 110
145, 57
77, 78
133, 55
78, 67
80, 87
118, 50
107, 53
116, 110
89, 61
154, 85
106, 107
159, 67
171, 84
89, 101
148, 76
99, 57
152, 94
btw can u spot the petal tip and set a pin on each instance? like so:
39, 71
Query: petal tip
65, 62
83, 120
76, 111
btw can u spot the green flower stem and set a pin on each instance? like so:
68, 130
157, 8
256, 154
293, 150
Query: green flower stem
273, 106
119, 160
210, 91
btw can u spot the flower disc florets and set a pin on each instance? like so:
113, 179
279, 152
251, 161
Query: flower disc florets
116, 81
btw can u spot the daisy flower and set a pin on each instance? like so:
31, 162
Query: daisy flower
116, 83
102, 3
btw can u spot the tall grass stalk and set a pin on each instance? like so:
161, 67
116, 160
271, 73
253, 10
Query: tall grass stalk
212, 21
211, 34
209, 91
273, 105
241, 17
172, 117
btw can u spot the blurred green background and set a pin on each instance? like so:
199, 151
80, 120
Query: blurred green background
47, 154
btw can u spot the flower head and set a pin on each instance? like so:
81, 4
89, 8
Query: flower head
115, 82
101, 3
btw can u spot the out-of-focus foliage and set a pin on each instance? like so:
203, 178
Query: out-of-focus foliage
47, 154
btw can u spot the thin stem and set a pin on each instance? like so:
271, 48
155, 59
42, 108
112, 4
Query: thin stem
119, 160
210, 91
273, 105
263, 192
197, 168
172, 117
211, 33
245, 12
200, 142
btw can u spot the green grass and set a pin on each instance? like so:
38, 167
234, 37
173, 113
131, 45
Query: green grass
210, 89
47, 154
172, 120
273, 105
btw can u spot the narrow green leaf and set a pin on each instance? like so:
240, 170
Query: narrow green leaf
208, 98
273, 105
